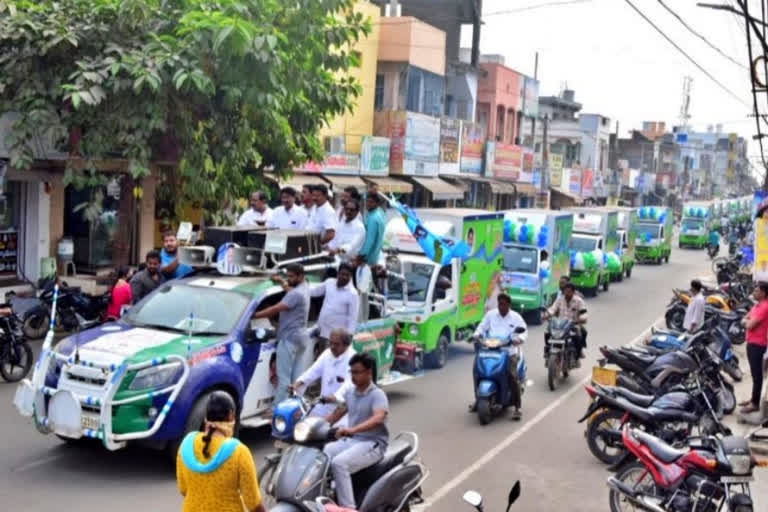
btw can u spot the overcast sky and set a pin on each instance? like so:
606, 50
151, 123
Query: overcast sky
619, 66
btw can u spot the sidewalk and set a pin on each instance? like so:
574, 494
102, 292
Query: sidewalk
745, 424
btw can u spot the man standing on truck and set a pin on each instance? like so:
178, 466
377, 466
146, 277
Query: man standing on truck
332, 369
323, 220
169, 259
501, 322
374, 231
341, 305
570, 305
288, 216
292, 337
351, 233
258, 213
364, 442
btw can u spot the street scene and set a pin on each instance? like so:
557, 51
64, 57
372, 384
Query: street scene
383, 255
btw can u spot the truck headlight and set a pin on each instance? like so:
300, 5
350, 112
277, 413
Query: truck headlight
156, 377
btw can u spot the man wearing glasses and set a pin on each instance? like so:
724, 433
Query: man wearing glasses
350, 234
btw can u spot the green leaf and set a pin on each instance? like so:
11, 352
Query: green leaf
75, 97
221, 37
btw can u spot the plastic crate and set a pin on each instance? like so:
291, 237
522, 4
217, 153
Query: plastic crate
604, 376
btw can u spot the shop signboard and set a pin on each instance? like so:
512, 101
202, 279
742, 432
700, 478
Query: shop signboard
574, 186
526, 174
450, 146
556, 170
587, 183
472, 148
337, 163
506, 161
374, 160
422, 145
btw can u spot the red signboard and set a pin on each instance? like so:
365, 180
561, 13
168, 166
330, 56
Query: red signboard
508, 161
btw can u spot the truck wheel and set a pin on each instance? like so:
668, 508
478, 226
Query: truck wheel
592, 292
438, 357
620, 277
606, 284
629, 271
666, 258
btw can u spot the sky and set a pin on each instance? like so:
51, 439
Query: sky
619, 66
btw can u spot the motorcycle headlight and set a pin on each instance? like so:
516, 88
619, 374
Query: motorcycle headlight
302, 431
280, 424
156, 377
740, 464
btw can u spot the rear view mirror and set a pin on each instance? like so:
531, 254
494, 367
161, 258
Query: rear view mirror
582, 311
519, 330
474, 499
514, 493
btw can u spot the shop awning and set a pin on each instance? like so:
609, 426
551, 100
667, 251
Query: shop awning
497, 187
571, 197
441, 190
389, 185
340, 182
526, 189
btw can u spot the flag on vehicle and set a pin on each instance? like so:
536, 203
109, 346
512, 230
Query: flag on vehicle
440, 249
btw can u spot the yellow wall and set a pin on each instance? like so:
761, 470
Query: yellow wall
360, 123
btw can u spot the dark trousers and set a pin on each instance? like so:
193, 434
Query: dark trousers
755, 355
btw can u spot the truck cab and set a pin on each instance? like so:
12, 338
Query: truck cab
595, 235
694, 226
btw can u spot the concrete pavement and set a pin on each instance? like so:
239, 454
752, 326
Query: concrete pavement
546, 450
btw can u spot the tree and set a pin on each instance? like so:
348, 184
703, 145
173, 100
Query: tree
223, 88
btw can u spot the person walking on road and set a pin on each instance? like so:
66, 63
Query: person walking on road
694, 313
215, 471
145, 281
756, 323
364, 442
292, 337
332, 370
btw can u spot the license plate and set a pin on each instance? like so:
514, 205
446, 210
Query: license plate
737, 479
89, 421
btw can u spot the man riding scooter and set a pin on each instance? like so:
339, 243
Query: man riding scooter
501, 322
714, 243
570, 305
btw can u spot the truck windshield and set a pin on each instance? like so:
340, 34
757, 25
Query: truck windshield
582, 244
692, 224
183, 308
418, 275
521, 259
651, 230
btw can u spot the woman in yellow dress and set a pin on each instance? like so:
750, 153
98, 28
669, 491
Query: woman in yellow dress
215, 472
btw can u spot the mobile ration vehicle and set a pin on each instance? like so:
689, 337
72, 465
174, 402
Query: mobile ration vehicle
529, 279
622, 259
695, 224
147, 377
442, 303
654, 234
595, 235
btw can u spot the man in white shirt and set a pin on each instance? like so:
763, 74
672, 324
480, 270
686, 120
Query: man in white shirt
258, 213
323, 220
307, 202
332, 369
501, 323
341, 304
351, 233
347, 194
694, 314
288, 216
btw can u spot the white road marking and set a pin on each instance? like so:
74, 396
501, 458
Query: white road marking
496, 450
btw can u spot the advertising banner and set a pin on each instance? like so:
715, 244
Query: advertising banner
472, 148
422, 145
450, 146
506, 161
574, 187
556, 170
374, 160
392, 125
526, 175
340, 163
588, 183
531, 98
761, 250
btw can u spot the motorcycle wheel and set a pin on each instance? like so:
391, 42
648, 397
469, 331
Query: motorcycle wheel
674, 318
484, 412
36, 325
266, 475
733, 370
727, 398
604, 452
553, 370
638, 478
17, 362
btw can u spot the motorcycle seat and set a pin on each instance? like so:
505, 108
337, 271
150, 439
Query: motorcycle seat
640, 357
668, 332
659, 448
395, 454
637, 398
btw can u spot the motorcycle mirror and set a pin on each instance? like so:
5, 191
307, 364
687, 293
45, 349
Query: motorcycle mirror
519, 330
474, 499
582, 311
514, 493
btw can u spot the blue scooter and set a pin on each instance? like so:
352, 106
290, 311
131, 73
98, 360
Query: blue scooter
496, 388
720, 342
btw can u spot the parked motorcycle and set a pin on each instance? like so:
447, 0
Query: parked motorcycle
75, 310
304, 475
709, 475
713, 250
476, 500
673, 417
15, 353
561, 354
496, 388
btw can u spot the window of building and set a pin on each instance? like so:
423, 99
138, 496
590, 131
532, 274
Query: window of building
378, 101
462, 110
